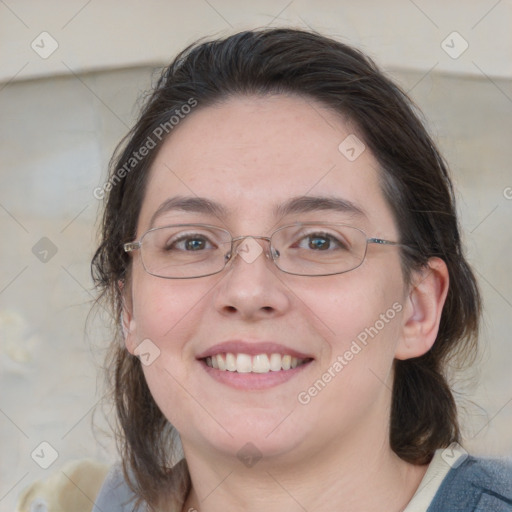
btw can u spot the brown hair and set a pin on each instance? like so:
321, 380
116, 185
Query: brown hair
414, 179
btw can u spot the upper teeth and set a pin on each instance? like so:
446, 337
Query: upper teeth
244, 363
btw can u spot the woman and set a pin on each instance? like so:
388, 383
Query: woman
281, 245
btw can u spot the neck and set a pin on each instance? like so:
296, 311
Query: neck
369, 478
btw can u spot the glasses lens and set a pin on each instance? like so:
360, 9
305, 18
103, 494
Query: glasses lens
319, 249
186, 250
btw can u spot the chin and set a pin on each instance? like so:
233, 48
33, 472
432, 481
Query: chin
260, 436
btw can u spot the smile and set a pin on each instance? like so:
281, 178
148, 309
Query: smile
260, 363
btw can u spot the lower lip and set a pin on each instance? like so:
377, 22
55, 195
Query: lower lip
253, 381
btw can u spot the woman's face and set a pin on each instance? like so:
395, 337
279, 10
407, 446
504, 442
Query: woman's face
251, 157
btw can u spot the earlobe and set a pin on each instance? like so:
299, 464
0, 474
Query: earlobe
423, 309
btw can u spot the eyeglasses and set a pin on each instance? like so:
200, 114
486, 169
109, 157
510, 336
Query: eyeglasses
185, 251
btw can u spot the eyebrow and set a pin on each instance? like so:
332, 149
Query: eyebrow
295, 205
308, 204
189, 204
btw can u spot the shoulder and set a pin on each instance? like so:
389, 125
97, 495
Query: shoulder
115, 494
477, 485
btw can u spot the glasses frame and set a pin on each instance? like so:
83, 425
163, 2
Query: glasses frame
271, 254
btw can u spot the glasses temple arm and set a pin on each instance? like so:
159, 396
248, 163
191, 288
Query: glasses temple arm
131, 246
380, 241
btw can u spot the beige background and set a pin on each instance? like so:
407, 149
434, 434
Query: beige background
61, 117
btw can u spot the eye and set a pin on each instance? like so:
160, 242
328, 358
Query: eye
189, 242
321, 242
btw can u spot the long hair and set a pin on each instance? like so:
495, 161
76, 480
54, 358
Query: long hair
414, 179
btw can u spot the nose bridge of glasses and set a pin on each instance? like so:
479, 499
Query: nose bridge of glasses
249, 248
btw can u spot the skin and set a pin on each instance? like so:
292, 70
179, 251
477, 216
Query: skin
250, 154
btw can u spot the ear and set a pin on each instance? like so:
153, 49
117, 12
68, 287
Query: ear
127, 320
423, 308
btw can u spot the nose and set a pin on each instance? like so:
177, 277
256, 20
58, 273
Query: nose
251, 288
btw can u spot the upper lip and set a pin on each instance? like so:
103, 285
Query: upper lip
252, 348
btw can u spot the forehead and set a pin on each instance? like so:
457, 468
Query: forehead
251, 155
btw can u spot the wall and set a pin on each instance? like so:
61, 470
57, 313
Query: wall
399, 33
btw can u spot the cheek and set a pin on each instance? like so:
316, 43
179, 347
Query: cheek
167, 315
355, 300
168, 386
361, 312
164, 309
363, 327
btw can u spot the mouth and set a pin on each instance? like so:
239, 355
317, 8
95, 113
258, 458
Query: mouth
252, 366
259, 363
